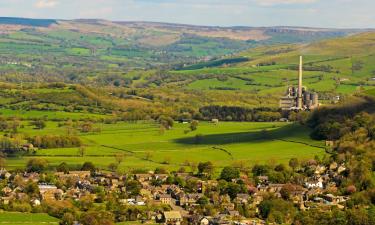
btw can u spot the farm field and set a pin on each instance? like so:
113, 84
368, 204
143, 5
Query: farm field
146, 147
49, 114
10, 218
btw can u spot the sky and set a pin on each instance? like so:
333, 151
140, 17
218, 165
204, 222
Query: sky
311, 13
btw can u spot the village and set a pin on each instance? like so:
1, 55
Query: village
179, 197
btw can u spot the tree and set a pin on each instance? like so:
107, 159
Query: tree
133, 187
97, 218
276, 210
205, 167
286, 191
194, 125
293, 163
39, 124
68, 219
81, 151
148, 155
233, 189
259, 170
2, 162
113, 167
31, 189
166, 122
203, 201
63, 167
193, 166
86, 127
36, 165
357, 217
229, 173
88, 166
119, 157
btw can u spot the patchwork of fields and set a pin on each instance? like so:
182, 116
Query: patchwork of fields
146, 147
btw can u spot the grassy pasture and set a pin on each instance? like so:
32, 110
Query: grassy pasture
49, 114
27, 218
224, 144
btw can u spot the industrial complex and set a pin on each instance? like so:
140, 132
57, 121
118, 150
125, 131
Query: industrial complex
298, 98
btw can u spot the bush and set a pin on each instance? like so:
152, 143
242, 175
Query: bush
37, 165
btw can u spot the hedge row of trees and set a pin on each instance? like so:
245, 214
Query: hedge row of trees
55, 141
233, 113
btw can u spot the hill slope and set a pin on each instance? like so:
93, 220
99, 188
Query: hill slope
79, 48
336, 66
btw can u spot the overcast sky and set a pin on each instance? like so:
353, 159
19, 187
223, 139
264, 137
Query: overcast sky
316, 13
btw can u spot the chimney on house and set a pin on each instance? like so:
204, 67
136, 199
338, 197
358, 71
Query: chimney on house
299, 96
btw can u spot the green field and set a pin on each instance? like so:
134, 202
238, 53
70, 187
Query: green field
10, 218
223, 144
49, 114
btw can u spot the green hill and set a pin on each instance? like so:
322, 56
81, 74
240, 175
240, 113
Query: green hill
73, 50
336, 66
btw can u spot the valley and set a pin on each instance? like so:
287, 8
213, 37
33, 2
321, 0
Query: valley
128, 122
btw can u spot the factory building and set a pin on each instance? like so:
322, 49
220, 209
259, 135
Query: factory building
298, 98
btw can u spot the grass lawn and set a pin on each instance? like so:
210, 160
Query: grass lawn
223, 144
14, 218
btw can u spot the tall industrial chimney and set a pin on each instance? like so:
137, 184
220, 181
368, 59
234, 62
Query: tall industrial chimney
299, 96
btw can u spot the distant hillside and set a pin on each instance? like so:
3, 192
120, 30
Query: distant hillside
137, 55
153, 33
72, 50
27, 22
332, 67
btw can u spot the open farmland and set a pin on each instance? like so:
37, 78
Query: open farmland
145, 146
10, 218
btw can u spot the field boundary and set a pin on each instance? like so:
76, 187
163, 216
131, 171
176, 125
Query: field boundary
303, 143
225, 151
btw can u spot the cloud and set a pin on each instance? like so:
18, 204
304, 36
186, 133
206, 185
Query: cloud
283, 2
96, 13
316, 13
42, 4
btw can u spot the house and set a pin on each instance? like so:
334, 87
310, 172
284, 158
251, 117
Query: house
204, 221
233, 213
165, 199
172, 218
335, 199
320, 170
7, 190
28, 147
35, 202
6, 200
215, 121
333, 166
50, 192
314, 184
162, 177
143, 177
80, 174
242, 198
189, 199
262, 179
275, 188
74, 174
341, 169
